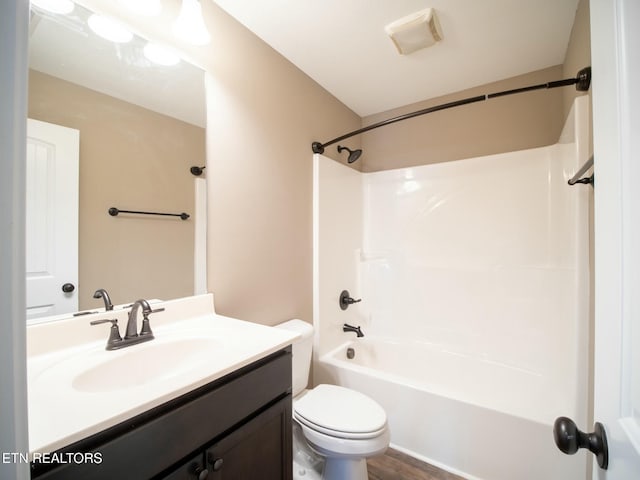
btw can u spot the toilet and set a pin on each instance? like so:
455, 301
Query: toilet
335, 428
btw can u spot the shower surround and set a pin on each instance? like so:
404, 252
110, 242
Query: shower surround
473, 276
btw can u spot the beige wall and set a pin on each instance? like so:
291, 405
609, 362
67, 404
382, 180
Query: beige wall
498, 125
133, 159
263, 115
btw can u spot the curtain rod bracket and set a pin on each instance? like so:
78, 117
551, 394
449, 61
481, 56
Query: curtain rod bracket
317, 147
583, 79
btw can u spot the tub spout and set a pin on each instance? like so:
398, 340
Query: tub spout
350, 328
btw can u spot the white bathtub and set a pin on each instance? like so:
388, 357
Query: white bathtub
479, 419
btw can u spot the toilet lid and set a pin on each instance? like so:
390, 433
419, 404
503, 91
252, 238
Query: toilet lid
340, 409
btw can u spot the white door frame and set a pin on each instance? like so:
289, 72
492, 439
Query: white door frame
14, 23
614, 42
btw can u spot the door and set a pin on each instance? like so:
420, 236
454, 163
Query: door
615, 42
51, 219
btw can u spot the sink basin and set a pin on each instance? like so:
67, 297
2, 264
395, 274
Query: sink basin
69, 367
151, 363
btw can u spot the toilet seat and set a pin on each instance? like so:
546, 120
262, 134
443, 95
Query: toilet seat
340, 412
331, 446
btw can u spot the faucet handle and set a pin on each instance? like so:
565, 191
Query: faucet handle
146, 327
114, 331
346, 300
114, 321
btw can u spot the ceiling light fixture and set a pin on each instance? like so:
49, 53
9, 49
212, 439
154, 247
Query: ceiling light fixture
147, 8
189, 25
415, 32
109, 29
160, 55
62, 7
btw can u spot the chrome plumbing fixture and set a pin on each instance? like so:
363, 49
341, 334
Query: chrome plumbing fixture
132, 337
353, 154
350, 328
346, 300
102, 293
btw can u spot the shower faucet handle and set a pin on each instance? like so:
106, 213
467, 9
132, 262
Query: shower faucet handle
346, 300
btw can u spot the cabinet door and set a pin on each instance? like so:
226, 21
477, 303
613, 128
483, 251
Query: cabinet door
259, 450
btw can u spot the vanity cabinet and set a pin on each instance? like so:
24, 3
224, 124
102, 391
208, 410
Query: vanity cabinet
254, 451
236, 427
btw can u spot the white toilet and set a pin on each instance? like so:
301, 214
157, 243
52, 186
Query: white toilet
341, 425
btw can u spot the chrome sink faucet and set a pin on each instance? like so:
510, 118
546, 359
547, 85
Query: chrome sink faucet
132, 322
102, 293
131, 337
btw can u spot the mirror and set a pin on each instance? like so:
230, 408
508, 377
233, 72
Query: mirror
141, 128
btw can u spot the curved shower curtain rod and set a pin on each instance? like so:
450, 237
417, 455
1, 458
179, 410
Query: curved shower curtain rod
582, 81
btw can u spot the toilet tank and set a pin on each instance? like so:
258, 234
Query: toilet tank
301, 353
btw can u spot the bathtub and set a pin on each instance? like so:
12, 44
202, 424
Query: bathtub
473, 417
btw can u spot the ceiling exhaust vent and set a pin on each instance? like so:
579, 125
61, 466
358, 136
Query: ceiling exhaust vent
415, 32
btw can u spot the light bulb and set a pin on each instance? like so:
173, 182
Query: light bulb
148, 8
160, 55
109, 29
189, 25
54, 6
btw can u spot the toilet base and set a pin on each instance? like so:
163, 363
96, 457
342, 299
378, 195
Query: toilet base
307, 464
340, 468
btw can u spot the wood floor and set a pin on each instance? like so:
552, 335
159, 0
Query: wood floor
394, 465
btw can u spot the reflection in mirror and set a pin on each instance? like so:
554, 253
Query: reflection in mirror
140, 127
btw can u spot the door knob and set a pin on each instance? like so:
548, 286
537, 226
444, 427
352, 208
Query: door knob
199, 472
216, 463
68, 287
569, 439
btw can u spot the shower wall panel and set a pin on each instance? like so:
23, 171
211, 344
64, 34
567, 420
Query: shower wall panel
337, 238
487, 258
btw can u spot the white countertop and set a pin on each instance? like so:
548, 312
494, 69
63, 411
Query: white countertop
77, 388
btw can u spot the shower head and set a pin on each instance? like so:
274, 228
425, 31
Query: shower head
353, 154
197, 171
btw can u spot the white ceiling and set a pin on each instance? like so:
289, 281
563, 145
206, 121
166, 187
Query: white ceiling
342, 44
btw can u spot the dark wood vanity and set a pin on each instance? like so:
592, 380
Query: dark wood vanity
236, 427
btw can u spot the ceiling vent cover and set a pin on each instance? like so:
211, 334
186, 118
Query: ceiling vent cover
415, 31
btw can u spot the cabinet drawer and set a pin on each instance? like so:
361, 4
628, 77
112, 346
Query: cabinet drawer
149, 443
